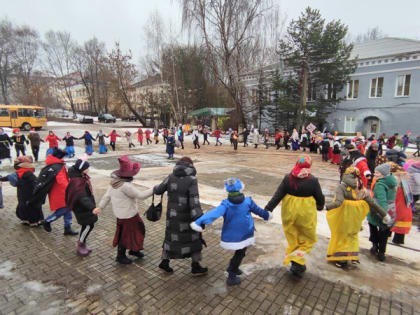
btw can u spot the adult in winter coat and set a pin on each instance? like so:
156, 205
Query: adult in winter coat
156, 135
414, 180
80, 199
325, 149
140, 136
148, 133
183, 208
403, 201
286, 140
19, 140
123, 195
391, 141
101, 138
5, 144
359, 161
295, 140
52, 140
196, 139
57, 193
217, 134
69, 139
371, 154
301, 197
384, 193
113, 139
180, 134
28, 214
245, 134
335, 159
238, 224
277, 139
170, 145
256, 138
205, 136
35, 141
345, 216
88, 142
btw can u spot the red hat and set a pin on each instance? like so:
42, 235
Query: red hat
127, 168
16, 130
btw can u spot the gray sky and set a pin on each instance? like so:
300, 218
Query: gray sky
122, 20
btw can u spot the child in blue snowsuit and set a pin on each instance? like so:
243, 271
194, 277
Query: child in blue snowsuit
238, 224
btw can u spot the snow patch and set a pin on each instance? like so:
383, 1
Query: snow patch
39, 287
93, 289
6, 270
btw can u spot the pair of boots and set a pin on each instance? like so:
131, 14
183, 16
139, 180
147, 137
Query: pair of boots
82, 250
67, 229
375, 251
297, 269
196, 268
122, 257
233, 278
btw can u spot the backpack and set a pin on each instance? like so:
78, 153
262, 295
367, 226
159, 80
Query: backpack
44, 183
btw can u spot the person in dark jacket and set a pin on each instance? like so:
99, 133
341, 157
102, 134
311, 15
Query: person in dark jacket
325, 147
396, 155
35, 140
102, 146
88, 142
245, 134
183, 208
19, 141
80, 199
28, 214
69, 139
5, 144
170, 145
371, 154
301, 197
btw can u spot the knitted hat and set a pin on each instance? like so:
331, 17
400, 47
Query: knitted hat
233, 185
350, 147
58, 153
384, 169
16, 130
127, 168
374, 146
81, 164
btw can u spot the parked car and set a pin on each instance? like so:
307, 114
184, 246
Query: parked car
86, 120
107, 118
129, 118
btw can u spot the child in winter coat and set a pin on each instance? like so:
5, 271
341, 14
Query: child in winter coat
80, 199
69, 145
129, 139
123, 194
88, 142
238, 224
52, 139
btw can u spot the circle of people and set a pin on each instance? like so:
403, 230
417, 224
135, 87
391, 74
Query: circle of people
388, 207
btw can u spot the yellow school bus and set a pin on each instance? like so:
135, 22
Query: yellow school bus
22, 116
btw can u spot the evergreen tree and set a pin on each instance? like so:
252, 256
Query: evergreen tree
319, 57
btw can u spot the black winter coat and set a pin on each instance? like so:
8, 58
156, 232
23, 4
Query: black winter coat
306, 187
85, 203
371, 159
5, 144
183, 208
325, 146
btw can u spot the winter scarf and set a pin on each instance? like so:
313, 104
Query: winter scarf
117, 181
22, 170
76, 188
302, 169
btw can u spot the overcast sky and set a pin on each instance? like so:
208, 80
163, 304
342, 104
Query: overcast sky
122, 20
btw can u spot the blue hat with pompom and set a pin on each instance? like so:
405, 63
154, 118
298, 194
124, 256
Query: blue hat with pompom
233, 185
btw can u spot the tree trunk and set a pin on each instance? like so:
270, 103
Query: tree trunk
303, 97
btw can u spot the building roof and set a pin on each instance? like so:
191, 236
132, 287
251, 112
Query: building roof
388, 46
210, 111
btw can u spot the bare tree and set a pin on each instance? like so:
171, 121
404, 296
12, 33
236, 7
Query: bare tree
228, 31
123, 75
7, 63
59, 50
371, 34
26, 55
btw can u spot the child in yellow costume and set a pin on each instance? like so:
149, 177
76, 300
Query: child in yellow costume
345, 216
302, 197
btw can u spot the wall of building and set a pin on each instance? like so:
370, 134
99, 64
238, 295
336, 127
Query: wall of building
395, 113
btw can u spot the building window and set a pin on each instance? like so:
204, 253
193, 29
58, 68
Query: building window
376, 86
403, 85
349, 124
353, 89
